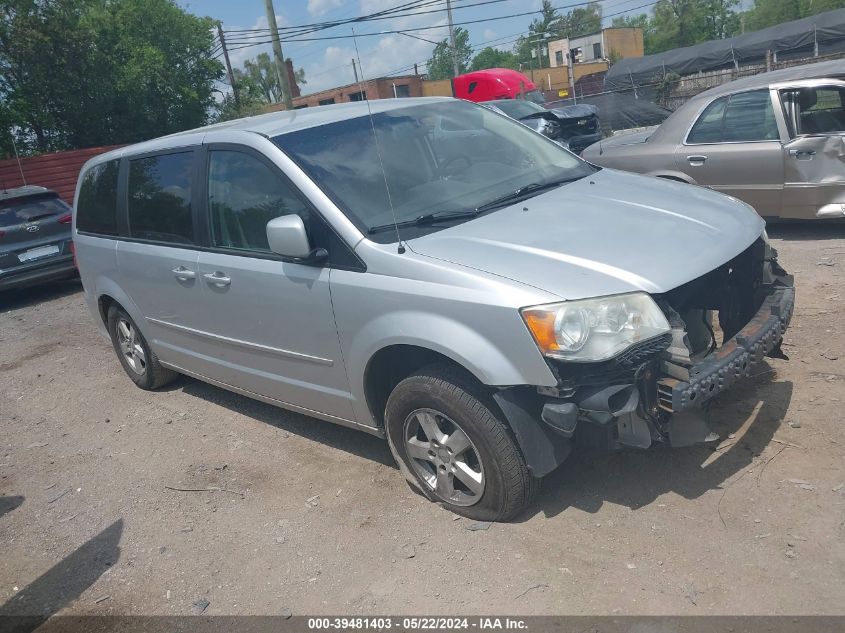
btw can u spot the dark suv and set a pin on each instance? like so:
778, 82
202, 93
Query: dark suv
35, 237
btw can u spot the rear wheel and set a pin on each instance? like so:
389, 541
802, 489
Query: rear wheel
139, 362
453, 445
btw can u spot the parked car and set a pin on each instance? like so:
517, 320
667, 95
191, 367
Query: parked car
482, 310
495, 83
577, 125
35, 237
774, 140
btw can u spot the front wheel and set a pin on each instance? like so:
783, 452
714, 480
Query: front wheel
453, 445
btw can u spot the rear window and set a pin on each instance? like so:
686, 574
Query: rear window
160, 198
96, 209
13, 212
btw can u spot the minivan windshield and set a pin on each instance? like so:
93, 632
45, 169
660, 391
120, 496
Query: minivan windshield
443, 162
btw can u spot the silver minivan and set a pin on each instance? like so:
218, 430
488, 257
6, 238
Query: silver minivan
435, 273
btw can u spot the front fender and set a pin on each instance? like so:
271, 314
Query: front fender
511, 359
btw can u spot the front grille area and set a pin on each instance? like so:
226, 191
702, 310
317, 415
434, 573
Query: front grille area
618, 370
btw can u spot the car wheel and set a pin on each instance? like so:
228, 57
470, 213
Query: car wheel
139, 362
452, 444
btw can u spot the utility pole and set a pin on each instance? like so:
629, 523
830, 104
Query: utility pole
281, 67
355, 70
228, 63
452, 39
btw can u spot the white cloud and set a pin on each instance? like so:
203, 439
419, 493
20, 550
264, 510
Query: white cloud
490, 34
321, 7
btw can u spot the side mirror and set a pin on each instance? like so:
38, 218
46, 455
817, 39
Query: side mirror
286, 236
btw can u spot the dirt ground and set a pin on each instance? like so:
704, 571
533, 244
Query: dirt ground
307, 517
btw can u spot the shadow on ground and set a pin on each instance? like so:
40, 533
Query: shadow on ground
63, 583
24, 297
339, 437
802, 231
635, 478
7, 504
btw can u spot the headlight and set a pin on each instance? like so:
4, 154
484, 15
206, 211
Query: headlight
594, 329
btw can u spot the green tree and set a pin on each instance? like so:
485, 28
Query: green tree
767, 13
581, 21
493, 58
79, 73
440, 63
261, 72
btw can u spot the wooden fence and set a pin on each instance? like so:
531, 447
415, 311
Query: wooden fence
57, 171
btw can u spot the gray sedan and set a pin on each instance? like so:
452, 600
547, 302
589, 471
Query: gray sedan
774, 141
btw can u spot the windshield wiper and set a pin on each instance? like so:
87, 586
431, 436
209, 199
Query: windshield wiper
522, 192
426, 218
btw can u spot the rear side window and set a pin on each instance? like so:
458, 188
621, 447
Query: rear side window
160, 198
97, 204
743, 117
708, 128
750, 117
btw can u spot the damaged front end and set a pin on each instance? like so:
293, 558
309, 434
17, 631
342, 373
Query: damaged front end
722, 325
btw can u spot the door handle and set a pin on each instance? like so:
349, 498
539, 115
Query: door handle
218, 279
696, 160
183, 274
802, 154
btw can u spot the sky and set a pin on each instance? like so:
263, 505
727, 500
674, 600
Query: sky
328, 63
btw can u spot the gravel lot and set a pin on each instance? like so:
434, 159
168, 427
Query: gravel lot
313, 518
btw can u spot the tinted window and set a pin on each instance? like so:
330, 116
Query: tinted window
708, 128
160, 198
243, 195
750, 117
97, 204
745, 116
31, 208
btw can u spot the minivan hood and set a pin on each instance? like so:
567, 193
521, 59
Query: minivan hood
608, 233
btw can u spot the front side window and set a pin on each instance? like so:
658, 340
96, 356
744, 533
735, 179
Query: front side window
243, 195
96, 209
445, 157
160, 198
818, 110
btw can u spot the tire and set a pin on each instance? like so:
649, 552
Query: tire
443, 429
134, 353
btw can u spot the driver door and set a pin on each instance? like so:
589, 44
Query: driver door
266, 324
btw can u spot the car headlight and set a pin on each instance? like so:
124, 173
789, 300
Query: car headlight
594, 329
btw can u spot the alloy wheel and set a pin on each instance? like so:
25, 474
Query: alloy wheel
444, 457
130, 346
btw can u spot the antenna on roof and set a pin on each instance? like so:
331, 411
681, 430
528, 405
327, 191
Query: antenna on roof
18, 158
401, 248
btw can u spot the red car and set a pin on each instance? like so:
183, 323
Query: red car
495, 83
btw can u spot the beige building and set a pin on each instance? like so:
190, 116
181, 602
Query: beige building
610, 42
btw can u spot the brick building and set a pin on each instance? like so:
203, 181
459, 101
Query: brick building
380, 88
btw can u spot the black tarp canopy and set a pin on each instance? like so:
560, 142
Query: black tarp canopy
619, 111
825, 31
